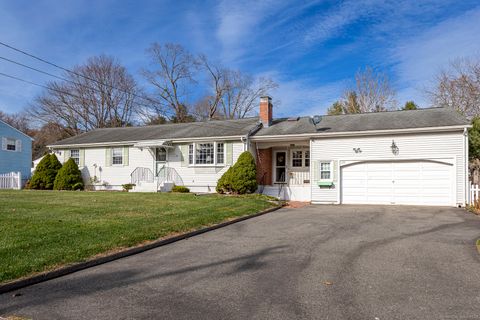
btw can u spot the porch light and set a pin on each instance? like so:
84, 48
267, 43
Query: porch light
394, 148
357, 150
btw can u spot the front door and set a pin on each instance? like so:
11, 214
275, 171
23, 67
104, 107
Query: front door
280, 165
160, 158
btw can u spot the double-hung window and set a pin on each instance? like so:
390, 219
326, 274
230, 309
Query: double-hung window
190, 153
206, 153
300, 158
117, 155
75, 155
325, 171
11, 144
220, 153
297, 158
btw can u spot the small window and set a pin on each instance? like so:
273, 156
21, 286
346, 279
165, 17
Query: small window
161, 155
307, 158
75, 155
220, 153
11, 145
325, 171
190, 154
297, 158
117, 156
204, 153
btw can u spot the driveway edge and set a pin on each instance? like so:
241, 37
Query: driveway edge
62, 271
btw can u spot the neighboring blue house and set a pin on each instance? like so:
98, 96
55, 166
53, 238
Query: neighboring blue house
16, 151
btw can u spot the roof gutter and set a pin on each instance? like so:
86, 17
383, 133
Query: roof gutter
123, 143
358, 133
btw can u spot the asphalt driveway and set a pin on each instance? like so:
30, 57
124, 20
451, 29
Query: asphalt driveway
317, 262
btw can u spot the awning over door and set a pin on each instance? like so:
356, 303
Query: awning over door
420, 182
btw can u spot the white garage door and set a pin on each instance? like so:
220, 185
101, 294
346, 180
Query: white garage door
399, 182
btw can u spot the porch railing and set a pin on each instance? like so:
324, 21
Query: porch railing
141, 174
168, 174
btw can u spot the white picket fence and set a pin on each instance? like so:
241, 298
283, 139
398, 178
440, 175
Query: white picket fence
474, 193
12, 180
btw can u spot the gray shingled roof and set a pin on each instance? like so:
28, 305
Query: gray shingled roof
214, 128
422, 118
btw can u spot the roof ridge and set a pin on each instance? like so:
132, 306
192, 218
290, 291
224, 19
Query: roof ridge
382, 112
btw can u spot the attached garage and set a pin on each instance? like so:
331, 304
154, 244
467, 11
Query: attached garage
413, 182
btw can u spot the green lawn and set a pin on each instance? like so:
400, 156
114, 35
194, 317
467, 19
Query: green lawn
41, 230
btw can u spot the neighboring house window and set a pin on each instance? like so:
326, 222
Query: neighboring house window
297, 157
220, 153
190, 154
325, 171
117, 155
11, 144
307, 158
204, 153
75, 155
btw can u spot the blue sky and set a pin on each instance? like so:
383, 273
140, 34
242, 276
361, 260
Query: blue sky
312, 49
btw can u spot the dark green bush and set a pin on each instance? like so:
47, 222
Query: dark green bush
180, 189
69, 177
241, 178
224, 184
45, 173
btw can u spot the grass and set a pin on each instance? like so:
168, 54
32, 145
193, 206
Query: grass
42, 230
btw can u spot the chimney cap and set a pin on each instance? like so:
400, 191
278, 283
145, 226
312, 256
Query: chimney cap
265, 98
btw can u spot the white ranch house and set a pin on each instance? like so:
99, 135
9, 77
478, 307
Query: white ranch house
416, 157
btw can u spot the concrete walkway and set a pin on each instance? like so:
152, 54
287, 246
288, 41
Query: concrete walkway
316, 262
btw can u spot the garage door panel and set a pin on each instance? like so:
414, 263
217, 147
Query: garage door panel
402, 182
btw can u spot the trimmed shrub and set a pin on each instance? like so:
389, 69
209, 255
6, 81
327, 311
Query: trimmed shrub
224, 184
69, 177
45, 173
128, 186
241, 178
244, 176
180, 189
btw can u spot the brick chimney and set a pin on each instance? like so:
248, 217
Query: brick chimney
266, 111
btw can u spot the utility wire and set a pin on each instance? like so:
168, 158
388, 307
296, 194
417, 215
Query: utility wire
58, 77
210, 123
71, 71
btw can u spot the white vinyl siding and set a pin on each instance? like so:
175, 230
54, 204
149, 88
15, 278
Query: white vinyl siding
410, 147
98, 162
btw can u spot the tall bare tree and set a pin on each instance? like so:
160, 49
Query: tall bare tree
171, 75
241, 93
458, 87
100, 93
374, 92
208, 106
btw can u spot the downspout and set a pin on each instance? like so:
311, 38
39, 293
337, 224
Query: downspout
246, 139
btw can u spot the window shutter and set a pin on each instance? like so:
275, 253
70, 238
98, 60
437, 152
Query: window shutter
184, 154
81, 160
108, 157
125, 156
315, 169
4, 143
229, 153
66, 155
18, 145
334, 169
